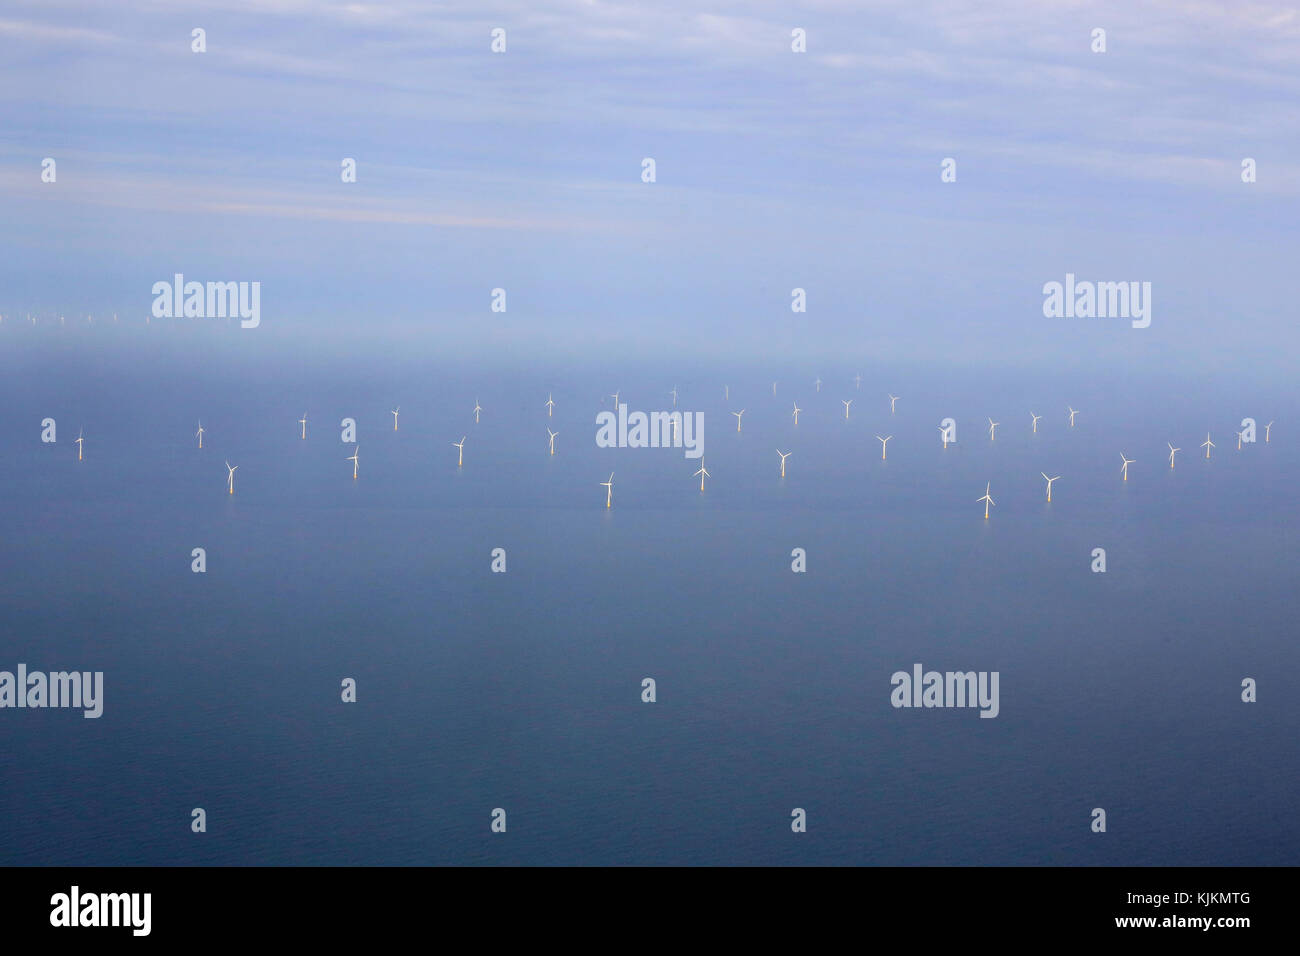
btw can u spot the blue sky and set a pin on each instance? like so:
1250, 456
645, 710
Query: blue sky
775, 170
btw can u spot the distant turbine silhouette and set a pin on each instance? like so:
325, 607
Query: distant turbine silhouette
1035, 418
200, 433
1207, 445
1072, 414
303, 422
846, 407
993, 430
79, 440
738, 414
673, 393
1127, 462
356, 460
784, 455
987, 501
460, 459
609, 490
1238, 441
477, 408
230, 476
884, 443
892, 400
1266, 431
797, 410
943, 433
552, 434
550, 405
818, 383
394, 414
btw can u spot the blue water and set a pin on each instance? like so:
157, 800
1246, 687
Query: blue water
522, 690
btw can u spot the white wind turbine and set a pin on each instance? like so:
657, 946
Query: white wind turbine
1207, 445
797, 410
702, 474
356, 460
738, 414
1172, 450
609, 490
846, 407
79, 441
1127, 462
460, 459
303, 422
818, 383
394, 414
552, 434
884, 443
614, 396
230, 477
550, 405
1035, 418
893, 399
943, 433
857, 380
200, 434
1049, 484
987, 499
784, 455
673, 393
1267, 428
1238, 441
993, 430
477, 408
1072, 412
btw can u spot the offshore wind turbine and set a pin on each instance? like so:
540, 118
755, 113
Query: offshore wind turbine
200, 434
774, 388
1035, 418
614, 396
987, 500
1049, 484
701, 474
609, 489
1266, 431
892, 400
857, 380
784, 455
1127, 462
460, 460
993, 430
552, 434
1072, 412
818, 383
884, 443
1207, 445
394, 414
1238, 441
303, 422
1172, 450
79, 441
477, 408
230, 477
797, 410
846, 407
943, 432
355, 459
550, 405
738, 414
673, 393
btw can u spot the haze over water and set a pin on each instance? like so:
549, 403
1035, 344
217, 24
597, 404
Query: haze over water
522, 690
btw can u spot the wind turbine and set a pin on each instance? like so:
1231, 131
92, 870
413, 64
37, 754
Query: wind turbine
857, 380
774, 388
738, 414
1035, 418
784, 455
1072, 414
846, 407
892, 400
552, 434
1207, 445
1238, 441
987, 500
993, 436
673, 393
477, 409
79, 440
303, 422
701, 474
609, 489
355, 459
460, 460
230, 476
1049, 484
818, 383
1266, 430
726, 392
797, 410
614, 396
884, 443
944, 434
200, 434
1172, 449
394, 414
1127, 462
550, 405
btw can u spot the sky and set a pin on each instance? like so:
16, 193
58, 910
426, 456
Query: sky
775, 170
